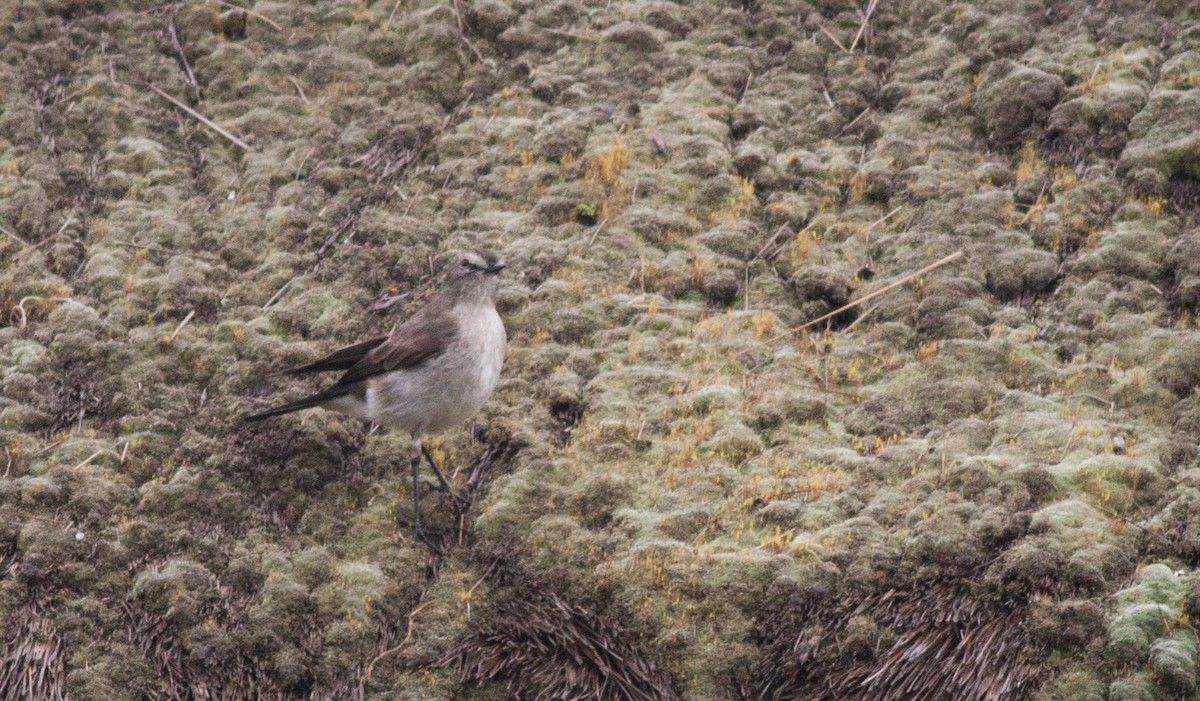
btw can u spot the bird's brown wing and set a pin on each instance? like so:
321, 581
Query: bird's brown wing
342, 359
424, 336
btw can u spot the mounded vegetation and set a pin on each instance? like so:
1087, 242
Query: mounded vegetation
979, 485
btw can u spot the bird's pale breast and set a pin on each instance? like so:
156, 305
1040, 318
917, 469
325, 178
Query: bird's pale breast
447, 389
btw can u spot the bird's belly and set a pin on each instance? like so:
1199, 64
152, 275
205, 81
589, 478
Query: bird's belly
440, 394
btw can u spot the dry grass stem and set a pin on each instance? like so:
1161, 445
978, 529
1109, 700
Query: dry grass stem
863, 27
832, 38
187, 67
866, 298
299, 89
202, 119
254, 14
179, 328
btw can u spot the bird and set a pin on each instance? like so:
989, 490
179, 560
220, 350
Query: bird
434, 371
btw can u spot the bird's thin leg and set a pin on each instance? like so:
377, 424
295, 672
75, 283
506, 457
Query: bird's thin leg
446, 488
436, 470
418, 529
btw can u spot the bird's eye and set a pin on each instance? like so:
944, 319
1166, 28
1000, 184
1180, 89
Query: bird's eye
467, 264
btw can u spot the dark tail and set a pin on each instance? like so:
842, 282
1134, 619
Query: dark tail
315, 400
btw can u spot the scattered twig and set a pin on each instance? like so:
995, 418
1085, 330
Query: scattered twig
407, 638
304, 160
596, 231
14, 236
124, 452
854, 121
20, 306
299, 89
669, 308
9, 465
462, 32
203, 120
160, 249
1070, 440
863, 27
33, 247
1083, 395
862, 316
90, 458
52, 446
179, 328
252, 13
387, 25
828, 98
882, 219
832, 38
182, 56
866, 298
774, 237
413, 200
278, 292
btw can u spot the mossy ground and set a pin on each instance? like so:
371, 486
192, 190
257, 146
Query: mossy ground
1002, 453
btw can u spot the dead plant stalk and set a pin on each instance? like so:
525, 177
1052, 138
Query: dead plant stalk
866, 298
252, 13
201, 118
863, 27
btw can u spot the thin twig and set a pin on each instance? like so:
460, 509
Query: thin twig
252, 13
462, 32
407, 638
1083, 395
20, 306
388, 23
771, 241
832, 38
182, 56
596, 232
854, 121
413, 200
18, 238
182, 324
33, 247
90, 458
669, 308
278, 292
160, 249
203, 120
862, 316
304, 160
52, 446
299, 89
882, 219
866, 298
863, 27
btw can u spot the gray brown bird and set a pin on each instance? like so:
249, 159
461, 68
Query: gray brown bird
434, 372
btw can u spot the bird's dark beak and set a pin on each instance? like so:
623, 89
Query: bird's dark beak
496, 268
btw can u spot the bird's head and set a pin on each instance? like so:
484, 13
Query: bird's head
477, 272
